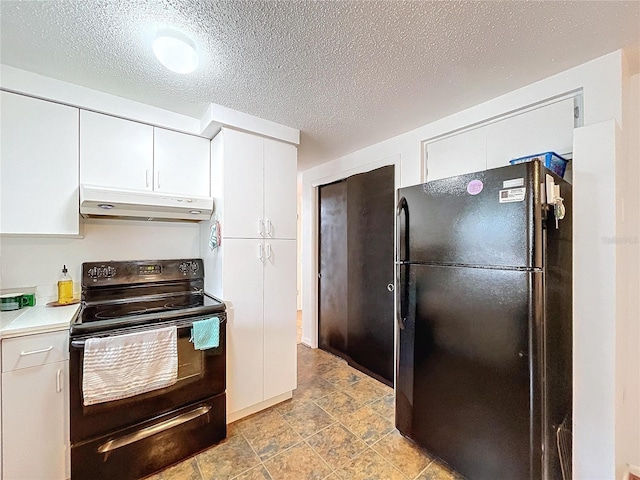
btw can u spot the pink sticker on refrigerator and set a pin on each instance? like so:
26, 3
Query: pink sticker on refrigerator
474, 187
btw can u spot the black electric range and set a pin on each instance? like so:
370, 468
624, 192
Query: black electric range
130, 438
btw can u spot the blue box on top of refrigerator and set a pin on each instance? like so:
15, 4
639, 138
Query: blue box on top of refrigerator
484, 364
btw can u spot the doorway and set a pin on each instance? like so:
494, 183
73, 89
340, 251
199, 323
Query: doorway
356, 271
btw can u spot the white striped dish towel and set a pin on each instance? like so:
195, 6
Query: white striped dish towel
126, 365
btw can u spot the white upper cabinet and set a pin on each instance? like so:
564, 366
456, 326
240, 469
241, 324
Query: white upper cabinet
181, 163
545, 129
280, 166
39, 167
120, 153
258, 194
456, 155
548, 128
241, 156
115, 152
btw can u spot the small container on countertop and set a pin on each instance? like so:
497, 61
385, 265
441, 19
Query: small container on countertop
65, 287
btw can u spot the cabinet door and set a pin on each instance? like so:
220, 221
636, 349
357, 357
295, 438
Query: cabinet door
181, 163
243, 185
279, 317
39, 169
35, 422
280, 187
242, 292
549, 128
115, 153
457, 155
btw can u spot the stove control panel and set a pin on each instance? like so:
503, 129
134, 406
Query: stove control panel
149, 269
102, 271
189, 267
102, 274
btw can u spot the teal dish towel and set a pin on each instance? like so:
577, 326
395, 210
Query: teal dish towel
205, 334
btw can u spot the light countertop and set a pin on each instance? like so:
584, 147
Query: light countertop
38, 319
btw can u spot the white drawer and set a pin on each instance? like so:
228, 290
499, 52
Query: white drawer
32, 350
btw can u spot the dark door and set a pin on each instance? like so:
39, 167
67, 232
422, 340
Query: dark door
370, 220
332, 263
356, 271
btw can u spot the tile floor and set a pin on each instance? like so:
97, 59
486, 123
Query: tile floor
338, 425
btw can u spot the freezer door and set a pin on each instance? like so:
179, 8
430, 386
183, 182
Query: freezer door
491, 217
468, 386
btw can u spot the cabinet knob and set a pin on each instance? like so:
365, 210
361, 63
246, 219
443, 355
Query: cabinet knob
391, 287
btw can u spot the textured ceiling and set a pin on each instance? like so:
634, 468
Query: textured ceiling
346, 73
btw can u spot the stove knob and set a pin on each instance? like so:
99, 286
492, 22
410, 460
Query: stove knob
194, 267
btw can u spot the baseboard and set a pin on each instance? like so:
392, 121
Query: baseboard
245, 412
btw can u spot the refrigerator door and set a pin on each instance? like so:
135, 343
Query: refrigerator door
468, 381
491, 217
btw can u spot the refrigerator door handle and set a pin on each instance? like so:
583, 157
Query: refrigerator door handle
403, 207
403, 267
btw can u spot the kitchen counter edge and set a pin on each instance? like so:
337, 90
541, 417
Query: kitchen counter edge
38, 319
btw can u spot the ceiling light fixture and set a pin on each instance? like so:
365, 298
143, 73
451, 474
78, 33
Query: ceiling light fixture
175, 51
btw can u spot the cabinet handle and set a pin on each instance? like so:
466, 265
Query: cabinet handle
146, 432
261, 227
269, 227
146, 177
59, 380
158, 183
260, 253
268, 251
33, 352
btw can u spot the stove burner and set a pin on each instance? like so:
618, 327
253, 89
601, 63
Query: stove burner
187, 304
120, 312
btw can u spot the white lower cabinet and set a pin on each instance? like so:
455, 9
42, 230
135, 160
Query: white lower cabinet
243, 293
259, 278
280, 316
35, 408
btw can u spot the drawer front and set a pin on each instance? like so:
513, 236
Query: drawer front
33, 350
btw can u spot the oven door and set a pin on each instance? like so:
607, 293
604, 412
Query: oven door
201, 375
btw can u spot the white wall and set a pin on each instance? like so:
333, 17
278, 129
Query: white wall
37, 261
634, 153
628, 332
601, 83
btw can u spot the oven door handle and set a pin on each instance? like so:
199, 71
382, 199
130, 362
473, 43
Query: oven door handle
79, 342
153, 429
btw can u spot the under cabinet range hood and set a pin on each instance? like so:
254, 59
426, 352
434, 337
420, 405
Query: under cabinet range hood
115, 202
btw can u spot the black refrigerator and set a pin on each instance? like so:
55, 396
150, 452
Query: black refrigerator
484, 360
